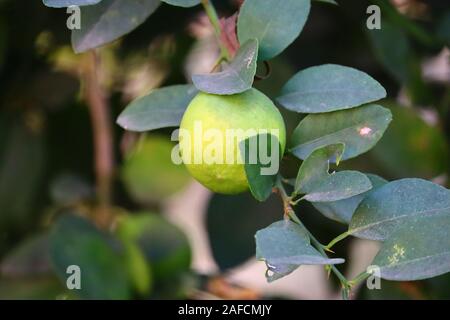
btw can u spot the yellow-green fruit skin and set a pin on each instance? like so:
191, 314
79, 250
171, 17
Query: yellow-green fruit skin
244, 111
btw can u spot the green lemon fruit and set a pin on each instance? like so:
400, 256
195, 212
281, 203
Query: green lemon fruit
206, 124
149, 173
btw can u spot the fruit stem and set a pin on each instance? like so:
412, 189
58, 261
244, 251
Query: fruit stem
214, 19
290, 213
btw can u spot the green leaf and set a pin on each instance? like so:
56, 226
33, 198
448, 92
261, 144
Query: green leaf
182, 3
329, 88
161, 108
75, 241
68, 3
23, 155
162, 244
394, 204
443, 27
109, 20
411, 146
276, 24
242, 214
284, 246
392, 49
342, 210
318, 185
359, 129
236, 77
260, 169
328, 1
418, 249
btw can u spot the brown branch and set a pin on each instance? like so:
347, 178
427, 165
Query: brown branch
96, 98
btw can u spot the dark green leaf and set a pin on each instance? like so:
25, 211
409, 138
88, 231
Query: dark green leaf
418, 249
317, 185
68, 3
329, 88
284, 246
443, 27
342, 210
182, 3
161, 108
260, 169
276, 24
412, 147
22, 171
392, 50
163, 245
236, 77
393, 204
359, 129
244, 216
75, 241
109, 20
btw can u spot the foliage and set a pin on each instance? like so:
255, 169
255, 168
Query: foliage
339, 121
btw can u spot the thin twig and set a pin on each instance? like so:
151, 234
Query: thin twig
102, 135
290, 213
214, 19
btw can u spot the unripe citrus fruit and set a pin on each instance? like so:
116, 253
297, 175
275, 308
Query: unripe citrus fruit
205, 131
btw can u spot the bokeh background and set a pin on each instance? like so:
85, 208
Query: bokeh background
167, 236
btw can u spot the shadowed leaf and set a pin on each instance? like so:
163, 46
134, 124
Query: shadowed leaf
394, 204
161, 108
329, 88
359, 129
236, 77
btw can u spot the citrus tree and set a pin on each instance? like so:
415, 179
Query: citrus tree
341, 118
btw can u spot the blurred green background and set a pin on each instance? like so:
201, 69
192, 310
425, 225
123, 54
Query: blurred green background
48, 212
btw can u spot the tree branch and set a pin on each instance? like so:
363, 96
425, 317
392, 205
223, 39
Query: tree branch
95, 96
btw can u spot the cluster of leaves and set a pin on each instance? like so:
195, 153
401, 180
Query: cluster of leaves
409, 216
